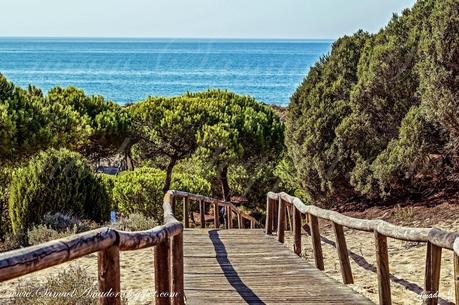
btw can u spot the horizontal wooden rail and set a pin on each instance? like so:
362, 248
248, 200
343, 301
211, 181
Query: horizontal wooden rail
436, 240
167, 240
215, 203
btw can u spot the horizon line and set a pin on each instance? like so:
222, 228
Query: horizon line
165, 37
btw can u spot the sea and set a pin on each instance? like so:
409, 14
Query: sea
130, 70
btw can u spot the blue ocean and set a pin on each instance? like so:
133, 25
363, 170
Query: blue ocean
129, 70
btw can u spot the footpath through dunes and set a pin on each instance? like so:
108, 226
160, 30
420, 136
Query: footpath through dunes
249, 267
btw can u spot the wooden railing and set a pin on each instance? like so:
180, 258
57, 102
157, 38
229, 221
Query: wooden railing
280, 204
167, 241
232, 212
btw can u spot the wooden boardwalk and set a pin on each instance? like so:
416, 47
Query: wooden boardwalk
248, 267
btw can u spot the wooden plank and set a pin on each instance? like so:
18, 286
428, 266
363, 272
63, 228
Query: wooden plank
186, 212
316, 243
176, 271
382, 265
233, 266
296, 231
281, 221
161, 266
202, 213
456, 276
343, 255
108, 262
432, 274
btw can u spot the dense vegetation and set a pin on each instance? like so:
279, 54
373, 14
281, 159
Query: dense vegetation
378, 117
56, 181
215, 143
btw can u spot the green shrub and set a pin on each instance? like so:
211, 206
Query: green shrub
108, 182
378, 117
56, 181
140, 191
5, 179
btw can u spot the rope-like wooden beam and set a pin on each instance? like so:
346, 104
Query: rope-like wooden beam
219, 202
27, 260
440, 238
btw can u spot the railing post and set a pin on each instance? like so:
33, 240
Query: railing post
161, 264
216, 216
108, 262
382, 264
275, 204
432, 274
252, 224
297, 230
202, 213
239, 221
281, 220
456, 276
229, 214
176, 270
341, 247
316, 244
173, 201
269, 216
186, 212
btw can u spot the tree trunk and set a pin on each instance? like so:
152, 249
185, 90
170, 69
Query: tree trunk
129, 161
170, 167
224, 183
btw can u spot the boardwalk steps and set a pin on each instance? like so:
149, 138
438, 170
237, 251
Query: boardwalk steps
249, 267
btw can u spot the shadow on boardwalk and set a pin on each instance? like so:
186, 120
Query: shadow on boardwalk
230, 273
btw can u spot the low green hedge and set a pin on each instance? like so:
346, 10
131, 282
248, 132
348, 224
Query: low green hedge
56, 181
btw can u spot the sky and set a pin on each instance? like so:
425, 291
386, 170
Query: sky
289, 19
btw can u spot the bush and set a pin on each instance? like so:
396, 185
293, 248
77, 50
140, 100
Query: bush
377, 118
62, 222
73, 278
55, 226
41, 233
12, 241
108, 182
56, 181
5, 179
141, 190
136, 222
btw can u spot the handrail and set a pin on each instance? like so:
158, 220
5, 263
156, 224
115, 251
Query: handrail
230, 207
167, 239
436, 239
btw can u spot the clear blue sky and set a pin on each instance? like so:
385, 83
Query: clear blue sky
196, 18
